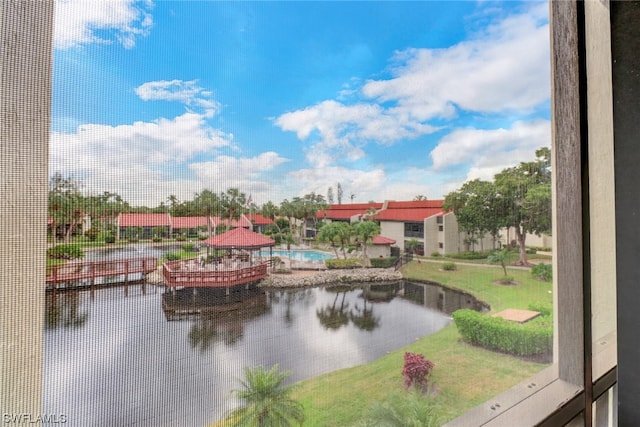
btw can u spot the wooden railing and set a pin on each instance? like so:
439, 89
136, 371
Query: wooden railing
175, 276
94, 269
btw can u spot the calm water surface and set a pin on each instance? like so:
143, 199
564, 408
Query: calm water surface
134, 355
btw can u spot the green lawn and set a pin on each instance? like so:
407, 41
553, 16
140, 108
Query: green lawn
463, 377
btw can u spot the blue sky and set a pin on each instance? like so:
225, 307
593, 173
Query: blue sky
389, 99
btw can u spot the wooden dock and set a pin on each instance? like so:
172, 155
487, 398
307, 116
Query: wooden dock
175, 276
91, 270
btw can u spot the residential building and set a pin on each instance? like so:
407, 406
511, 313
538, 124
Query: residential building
259, 222
144, 226
190, 225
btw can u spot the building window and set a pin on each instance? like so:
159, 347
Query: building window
414, 229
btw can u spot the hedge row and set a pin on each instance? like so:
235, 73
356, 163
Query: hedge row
496, 333
469, 255
336, 264
65, 252
383, 262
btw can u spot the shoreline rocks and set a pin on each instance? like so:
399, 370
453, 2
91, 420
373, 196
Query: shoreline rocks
326, 277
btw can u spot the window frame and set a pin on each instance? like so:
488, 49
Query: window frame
27, 29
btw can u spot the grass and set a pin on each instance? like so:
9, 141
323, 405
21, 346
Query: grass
464, 376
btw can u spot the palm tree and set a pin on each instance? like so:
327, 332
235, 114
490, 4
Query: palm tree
365, 231
403, 410
266, 400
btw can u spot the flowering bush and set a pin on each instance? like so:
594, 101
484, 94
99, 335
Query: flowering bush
416, 370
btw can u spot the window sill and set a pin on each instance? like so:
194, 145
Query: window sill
530, 401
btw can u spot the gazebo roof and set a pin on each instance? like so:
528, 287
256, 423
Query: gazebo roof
239, 238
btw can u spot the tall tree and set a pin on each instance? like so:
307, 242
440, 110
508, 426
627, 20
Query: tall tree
267, 400
232, 203
364, 232
475, 206
524, 194
65, 204
207, 204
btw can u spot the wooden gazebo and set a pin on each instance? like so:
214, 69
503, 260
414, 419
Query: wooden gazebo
236, 267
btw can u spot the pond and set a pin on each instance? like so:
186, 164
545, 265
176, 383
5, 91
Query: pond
135, 355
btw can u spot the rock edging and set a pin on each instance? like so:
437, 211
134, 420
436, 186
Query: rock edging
331, 276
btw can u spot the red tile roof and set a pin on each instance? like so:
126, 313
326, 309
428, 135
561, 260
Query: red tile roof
234, 223
144, 220
189, 221
346, 211
412, 211
381, 240
239, 238
258, 219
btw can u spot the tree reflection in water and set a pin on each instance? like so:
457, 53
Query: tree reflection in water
63, 310
292, 299
332, 317
216, 317
364, 319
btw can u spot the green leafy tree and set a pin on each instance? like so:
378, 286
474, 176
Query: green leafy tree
66, 205
267, 400
475, 206
207, 204
232, 202
502, 257
524, 198
337, 234
364, 232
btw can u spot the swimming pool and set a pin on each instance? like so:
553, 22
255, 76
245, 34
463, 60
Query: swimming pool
299, 255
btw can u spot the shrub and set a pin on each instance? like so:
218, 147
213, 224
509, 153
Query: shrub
92, 234
383, 262
542, 271
156, 239
435, 254
65, 252
190, 247
449, 266
340, 264
106, 236
496, 333
415, 371
469, 255
172, 256
181, 238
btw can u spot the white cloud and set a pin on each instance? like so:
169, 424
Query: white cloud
504, 69
487, 152
187, 92
344, 129
227, 168
365, 185
79, 22
135, 159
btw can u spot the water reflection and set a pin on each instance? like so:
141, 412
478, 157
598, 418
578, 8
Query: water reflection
63, 310
431, 294
217, 316
332, 316
291, 299
172, 359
